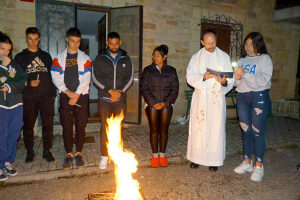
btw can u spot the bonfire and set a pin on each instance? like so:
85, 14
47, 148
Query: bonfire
125, 163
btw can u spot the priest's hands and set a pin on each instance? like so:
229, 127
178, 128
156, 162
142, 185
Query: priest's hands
221, 80
208, 75
115, 95
239, 72
159, 105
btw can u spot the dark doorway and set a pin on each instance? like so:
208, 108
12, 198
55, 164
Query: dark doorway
223, 31
230, 33
93, 39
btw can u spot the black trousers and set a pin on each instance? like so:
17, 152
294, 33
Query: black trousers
159, 121
45, 105
70, 115
106, 110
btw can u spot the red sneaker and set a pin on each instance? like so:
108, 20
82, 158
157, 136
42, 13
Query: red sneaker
163, 161
154, 162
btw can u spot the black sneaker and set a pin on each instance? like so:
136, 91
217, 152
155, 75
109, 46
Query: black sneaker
194, 165
30, 156
3, 176
79, 161
68, 163
9, 170
212, 168
48, 156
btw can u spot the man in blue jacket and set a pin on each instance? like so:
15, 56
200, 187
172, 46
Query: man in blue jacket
113, 75
12, 82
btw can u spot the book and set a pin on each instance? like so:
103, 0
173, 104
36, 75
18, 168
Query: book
221, 74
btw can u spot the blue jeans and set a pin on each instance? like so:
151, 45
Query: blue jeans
253, 109
10, 131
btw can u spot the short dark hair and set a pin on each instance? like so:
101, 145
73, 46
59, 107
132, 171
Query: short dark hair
4, 38
75, 32
162, 50
113, 35
209, 30
33, 30
258, 43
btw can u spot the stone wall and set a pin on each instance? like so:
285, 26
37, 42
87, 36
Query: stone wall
287, 108
175, 23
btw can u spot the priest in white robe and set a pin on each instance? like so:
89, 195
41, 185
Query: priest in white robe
207, 137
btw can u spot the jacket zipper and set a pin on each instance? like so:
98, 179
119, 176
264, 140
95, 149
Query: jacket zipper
115, 69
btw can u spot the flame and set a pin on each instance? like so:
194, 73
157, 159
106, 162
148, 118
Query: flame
125, 162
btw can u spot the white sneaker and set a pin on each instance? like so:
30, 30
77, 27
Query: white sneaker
3, 176
244, 167
9, 170
257, 174
103, 162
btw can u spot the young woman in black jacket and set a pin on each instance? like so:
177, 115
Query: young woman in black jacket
159, 86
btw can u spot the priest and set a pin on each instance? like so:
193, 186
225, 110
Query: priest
207, 137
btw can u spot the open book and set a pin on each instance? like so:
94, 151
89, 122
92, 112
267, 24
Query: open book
221, 74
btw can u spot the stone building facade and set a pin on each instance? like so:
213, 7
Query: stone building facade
175, 23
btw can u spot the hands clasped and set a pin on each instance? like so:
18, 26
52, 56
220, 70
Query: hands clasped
73, 97
115, 94
159, 106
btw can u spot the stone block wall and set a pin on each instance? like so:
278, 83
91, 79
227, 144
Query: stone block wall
288, 108
175, 23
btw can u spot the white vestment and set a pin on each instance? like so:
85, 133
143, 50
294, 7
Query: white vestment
207, 137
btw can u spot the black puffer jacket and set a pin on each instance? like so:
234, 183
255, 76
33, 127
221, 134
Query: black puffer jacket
159, 86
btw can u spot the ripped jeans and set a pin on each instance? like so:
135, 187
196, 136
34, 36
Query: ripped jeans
253, 109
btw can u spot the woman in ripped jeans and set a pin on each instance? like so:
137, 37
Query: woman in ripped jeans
253, 80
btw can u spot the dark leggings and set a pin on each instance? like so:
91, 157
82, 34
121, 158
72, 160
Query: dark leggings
159, 121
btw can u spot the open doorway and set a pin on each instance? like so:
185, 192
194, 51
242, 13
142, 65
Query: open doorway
54, 18
92, 23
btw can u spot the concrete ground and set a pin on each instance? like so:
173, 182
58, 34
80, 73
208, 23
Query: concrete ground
42, 180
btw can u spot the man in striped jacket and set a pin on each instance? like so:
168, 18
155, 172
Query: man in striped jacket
112, 75
71, 74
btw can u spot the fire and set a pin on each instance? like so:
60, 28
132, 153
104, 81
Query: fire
125, 162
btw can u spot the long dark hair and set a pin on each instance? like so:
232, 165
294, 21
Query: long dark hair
162, 50
258, 43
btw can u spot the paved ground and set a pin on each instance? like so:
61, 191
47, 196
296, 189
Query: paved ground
178, 182
41, 180
281, 133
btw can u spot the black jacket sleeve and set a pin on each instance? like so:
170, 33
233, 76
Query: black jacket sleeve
48, 63
146, 89
173, 91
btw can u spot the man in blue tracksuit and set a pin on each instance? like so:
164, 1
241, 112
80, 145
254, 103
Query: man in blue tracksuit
112, 75
12, 82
